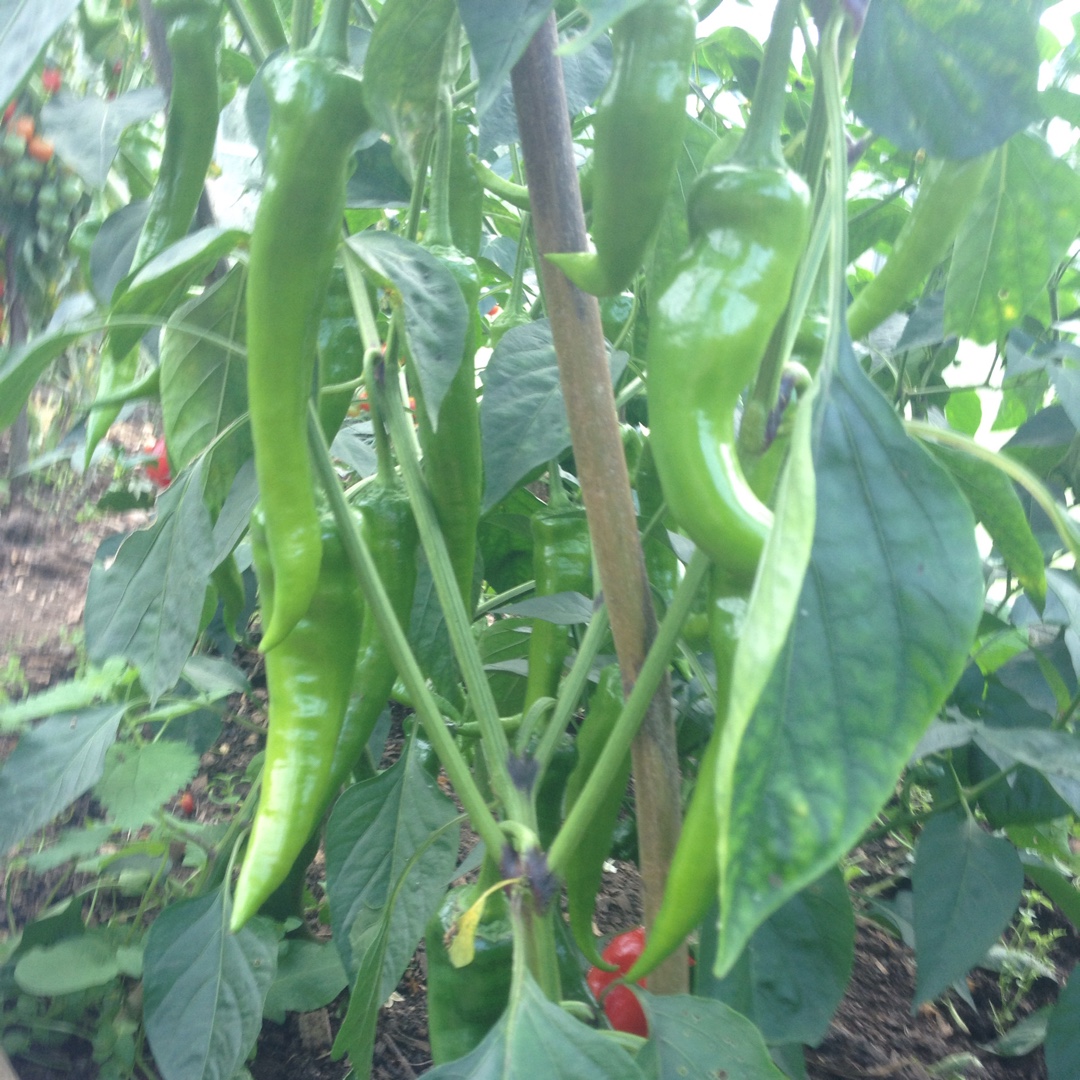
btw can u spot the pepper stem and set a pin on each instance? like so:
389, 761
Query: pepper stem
760, 144
332, 38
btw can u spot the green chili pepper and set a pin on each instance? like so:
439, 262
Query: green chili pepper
452, 462
389, 530
946, 195
316, 115
340, 352
193, 33
639, 126
464, 1003
562, 562
708, 332
308, 678
552, 789
694, 878
585, 870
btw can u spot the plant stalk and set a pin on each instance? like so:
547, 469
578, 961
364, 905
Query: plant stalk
559, 225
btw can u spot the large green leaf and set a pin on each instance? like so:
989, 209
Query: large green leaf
1011, 243
203, 988
795, 969
204, 382
522, 415
694, 1038
309, 976
138, 780
953, 78
52, 765
498, 37
436, 317
403, 70
375, 830
536, 1038
966, 886
888, 611
146, 605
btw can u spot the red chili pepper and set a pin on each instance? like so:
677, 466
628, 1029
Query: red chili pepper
52, 79
9, 112
187, 804
621, 1007
158, 470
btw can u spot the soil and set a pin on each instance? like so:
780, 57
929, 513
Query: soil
48, 536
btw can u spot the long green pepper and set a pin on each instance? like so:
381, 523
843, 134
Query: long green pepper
640, 120
316, 115
308, 678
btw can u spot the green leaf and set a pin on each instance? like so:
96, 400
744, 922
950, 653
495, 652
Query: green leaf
563, 609
522, 413
74, 843
694, 1038
146, 606
163, 282
97, 683
1056, 754
309, 976
1056, 885
874, 221
953, 79
997, 506
1011, 243
75, 964
1062, 1046
204, 382
52, 765
138, 780
403, 70
963, 411
25, 29
536, 1038
966, 886
356, 1036
203, 988
498, 38
436, 317
374, 831
889, 607
21, 368
795, 969
86, 131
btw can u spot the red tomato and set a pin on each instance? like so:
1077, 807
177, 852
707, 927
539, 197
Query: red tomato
621, 1007
52, 79
39, 149
158, 470
187, 804
24, 126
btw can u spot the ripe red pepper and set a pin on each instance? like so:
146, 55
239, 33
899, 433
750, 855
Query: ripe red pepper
52, 79
158, 470
621, 1006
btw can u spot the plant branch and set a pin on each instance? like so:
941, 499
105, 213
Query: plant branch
559, 225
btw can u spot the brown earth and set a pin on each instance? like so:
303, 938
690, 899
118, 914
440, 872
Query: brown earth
48, 536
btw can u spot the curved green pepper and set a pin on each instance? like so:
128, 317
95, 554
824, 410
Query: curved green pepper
562, 562
308, 678
585, 870
465, 1003
316, 114
639, 124
707, 335
193, 34
945, 198
389, 530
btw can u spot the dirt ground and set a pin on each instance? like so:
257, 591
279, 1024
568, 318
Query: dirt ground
48, 536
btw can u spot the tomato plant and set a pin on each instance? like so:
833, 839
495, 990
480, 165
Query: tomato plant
614, 406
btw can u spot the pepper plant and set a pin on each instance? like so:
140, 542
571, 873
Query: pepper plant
586, 382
